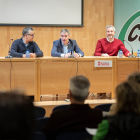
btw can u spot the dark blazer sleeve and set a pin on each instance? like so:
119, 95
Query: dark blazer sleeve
56, 50
77, 49
14, 49
37, 50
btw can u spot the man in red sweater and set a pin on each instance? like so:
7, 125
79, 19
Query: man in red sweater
110, 46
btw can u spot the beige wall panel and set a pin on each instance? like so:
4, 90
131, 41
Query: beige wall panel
23, 76
56, 72
100, 78
55, 76
97, 14
125, 68
4, 76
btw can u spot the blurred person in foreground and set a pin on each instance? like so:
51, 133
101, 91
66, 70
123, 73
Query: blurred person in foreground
78, 115
16, 116
132, 77
125, 123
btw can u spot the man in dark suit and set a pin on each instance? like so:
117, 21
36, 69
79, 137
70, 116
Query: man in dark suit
20, 46
78, 115
64, 46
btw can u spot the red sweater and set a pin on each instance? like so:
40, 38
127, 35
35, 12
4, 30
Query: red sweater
103, 46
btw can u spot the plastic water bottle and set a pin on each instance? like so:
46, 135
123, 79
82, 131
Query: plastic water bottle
27, 54
138, 53
120, 54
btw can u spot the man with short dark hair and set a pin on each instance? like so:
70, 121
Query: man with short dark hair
77, 116
20, 46
64, 46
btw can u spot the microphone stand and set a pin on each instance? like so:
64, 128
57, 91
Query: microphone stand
71, 56
131, 56
9, 56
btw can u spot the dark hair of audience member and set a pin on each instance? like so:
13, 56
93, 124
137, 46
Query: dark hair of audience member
16, 116
128, 97
135, 77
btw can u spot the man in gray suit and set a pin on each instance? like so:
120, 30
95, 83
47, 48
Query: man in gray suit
64, 46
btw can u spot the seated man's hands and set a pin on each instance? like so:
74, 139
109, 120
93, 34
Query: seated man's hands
76, 55
24, 55
129, 54
104, 55
67, 55
32, 55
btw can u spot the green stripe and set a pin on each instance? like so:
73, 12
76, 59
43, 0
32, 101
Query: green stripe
127, 24
102, 130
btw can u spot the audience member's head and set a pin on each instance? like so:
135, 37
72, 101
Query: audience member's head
134, 77
128, 97
16, 116
79, 89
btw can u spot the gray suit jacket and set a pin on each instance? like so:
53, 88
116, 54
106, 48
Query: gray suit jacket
57, 49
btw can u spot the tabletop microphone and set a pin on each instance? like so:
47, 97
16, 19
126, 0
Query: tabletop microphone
131, 49
71, 56
9, 56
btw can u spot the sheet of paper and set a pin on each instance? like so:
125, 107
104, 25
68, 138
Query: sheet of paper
67, 100
91, 131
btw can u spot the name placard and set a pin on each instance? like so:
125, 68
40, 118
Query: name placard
103, 63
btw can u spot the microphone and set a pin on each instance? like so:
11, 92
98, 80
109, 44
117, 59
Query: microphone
132, 56
9, 56
71, 56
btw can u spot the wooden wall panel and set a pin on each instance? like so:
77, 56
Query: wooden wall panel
97, 15
23, 76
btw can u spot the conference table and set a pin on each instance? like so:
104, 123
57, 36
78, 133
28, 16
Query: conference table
50, 75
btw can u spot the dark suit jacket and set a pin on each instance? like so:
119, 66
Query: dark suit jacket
57, 49
75, 117
18, 48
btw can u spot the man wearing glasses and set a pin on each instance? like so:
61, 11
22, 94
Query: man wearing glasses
20, 46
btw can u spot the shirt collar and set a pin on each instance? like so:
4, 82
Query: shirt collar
65, 45
79, 106
24, 43
109, 41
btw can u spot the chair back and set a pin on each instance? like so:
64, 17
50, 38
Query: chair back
40, 123
104, 107
39, 112
59, 107
78, 135
39, 136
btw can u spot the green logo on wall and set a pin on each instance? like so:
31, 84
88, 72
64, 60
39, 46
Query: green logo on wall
126, 26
